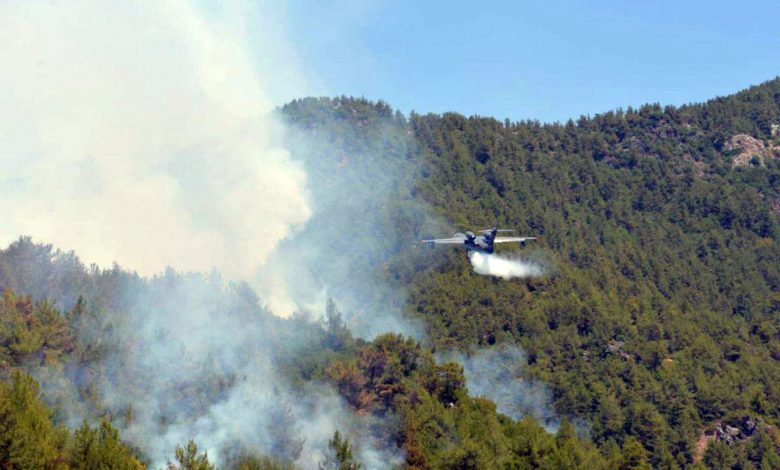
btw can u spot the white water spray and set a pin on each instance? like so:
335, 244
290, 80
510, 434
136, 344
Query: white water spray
505, 268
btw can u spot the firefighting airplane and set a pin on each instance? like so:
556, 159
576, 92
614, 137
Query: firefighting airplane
479, 243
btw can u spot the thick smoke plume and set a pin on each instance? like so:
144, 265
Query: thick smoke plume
192, 359
505, 268
363, 217
497, 373
139, 133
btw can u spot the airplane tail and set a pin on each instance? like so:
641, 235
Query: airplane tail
496, 230
491, 232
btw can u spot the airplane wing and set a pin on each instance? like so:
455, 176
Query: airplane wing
445, 241
512, 239
458, 238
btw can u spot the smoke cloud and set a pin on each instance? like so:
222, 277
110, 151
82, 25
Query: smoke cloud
363, 216
505, 268
139, 133
497, 373
193, 359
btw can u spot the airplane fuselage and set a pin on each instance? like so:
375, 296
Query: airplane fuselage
479, 243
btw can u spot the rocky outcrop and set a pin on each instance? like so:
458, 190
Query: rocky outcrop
615, 347
745, 149
734, 431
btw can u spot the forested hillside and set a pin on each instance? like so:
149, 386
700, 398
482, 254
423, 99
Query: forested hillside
657, 325
660, 317
411, 404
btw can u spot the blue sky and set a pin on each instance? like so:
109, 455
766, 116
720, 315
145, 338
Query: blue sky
546, 60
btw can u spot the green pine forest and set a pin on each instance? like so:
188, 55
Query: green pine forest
656, 328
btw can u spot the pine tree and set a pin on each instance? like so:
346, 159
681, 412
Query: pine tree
340, 455
27, 439
101, 448
189, 458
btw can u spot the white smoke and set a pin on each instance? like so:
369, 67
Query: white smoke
139, 133
191, 359
497, 373
363, 218
505, 268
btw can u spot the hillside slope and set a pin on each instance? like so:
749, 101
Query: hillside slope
656, 326
660, 314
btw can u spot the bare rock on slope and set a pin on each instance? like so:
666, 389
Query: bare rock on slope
745, 148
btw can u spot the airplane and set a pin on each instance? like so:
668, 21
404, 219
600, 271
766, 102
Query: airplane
479, 243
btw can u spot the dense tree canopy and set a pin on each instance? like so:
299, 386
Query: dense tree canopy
659, 315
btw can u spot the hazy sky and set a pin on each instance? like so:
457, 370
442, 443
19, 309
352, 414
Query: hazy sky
547, 60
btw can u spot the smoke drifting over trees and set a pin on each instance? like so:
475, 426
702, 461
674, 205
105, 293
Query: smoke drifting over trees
143, 134
497, 374
180, 357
